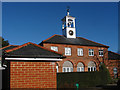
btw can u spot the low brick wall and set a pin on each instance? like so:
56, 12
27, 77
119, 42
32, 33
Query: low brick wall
32, 75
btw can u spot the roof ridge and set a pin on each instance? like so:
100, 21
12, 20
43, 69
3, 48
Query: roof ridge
114, 52
18, 47
51, 37
5, 47
8, 46
93, 42
10, 50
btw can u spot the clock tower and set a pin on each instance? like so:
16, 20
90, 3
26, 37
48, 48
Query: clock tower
68, 26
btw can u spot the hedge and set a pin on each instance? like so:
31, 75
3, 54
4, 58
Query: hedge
84, 79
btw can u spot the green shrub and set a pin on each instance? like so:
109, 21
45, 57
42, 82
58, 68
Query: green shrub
104, 70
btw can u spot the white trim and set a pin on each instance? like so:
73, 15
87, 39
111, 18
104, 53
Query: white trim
38, 59
2, 68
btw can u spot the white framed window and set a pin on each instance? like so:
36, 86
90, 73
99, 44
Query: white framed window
91, 52
67, 51
67, 66
67, 69
80, 51
54, 48
100, 52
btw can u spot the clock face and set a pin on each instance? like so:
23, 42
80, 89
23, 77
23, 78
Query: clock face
71, 32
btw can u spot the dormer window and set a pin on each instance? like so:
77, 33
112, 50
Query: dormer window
54, 48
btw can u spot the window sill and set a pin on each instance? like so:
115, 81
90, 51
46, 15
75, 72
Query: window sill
100, 55
91, 55
80, 56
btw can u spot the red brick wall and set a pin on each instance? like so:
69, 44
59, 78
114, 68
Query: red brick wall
74, 58
111, 64
32, 75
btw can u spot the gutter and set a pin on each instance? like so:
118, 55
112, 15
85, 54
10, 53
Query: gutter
32, 59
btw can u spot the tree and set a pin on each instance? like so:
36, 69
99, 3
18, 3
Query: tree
106, 72
103, 62
3, 42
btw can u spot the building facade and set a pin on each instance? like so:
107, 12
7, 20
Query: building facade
81, 54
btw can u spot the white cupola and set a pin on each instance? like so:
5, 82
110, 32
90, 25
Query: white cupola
68, 26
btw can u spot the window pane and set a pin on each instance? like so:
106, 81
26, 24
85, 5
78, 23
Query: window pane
64, 70
67, 51
91, 52
82, 69
88, 69
100, 52
91, 69
71, 69
54, 48
80, 51
77, 69
67, 69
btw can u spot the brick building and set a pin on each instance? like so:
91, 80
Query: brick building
30, 66
81, 54
113, 64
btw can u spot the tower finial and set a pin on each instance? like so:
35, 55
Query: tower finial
68, 8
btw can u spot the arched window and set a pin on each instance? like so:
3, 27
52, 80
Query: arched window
67, 66
80, 67
91, 66
57, 68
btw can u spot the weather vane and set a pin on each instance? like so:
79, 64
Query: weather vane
68, 9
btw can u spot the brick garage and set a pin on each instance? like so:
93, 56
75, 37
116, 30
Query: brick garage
32, 75
31, 66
